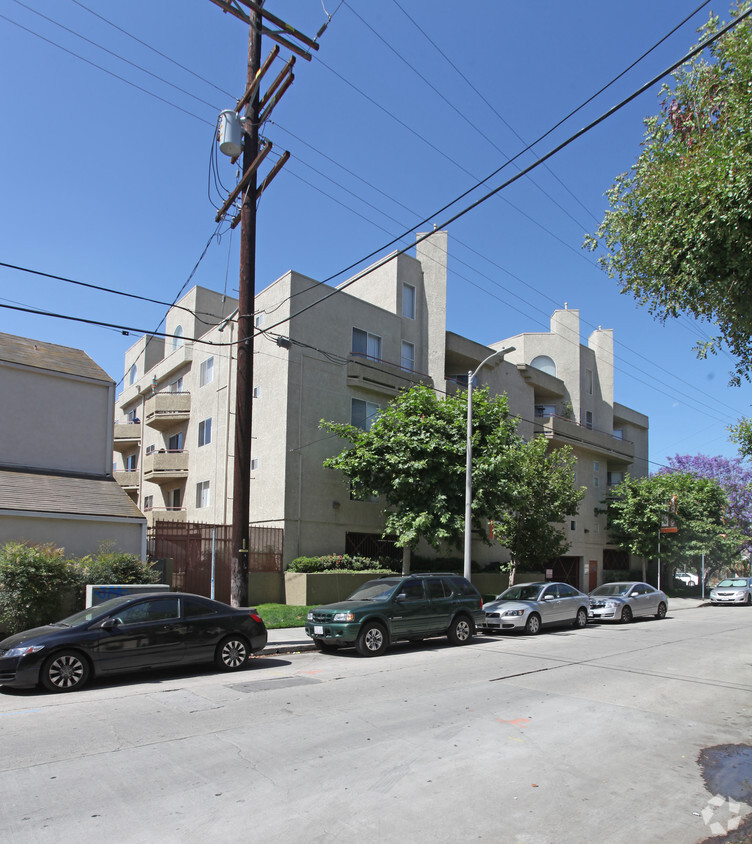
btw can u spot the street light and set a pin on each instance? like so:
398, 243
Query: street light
469, 461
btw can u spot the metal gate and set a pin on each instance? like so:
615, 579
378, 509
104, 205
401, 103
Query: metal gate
192, 545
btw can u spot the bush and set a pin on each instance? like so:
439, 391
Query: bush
34, 581
110, 566
336, 562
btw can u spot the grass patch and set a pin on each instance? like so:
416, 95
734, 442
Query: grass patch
282, 615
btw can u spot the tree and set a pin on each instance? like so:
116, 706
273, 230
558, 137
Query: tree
741, 434
414, 456
678, 233
637, 506
544, 494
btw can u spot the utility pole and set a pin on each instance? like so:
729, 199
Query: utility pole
257, 111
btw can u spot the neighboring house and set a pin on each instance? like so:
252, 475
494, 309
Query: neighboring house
343, 360
56, 483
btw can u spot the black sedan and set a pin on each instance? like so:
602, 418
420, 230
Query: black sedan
129, 633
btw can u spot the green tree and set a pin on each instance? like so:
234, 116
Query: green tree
741, 434
414, 457
544, 494
678, 233
637, 506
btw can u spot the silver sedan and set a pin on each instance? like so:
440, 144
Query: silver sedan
733, 590
625, 601
531, 606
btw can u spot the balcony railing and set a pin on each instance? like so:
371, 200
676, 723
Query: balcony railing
127, 436
127, 479
164, 514
572, 432
162, 466
163, 410
382, 376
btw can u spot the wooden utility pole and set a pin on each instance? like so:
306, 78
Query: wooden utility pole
241, 498
248, 191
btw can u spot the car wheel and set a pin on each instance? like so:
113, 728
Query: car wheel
371, 640
581, 619
65, 671
232, 653
661, 610
626, 615
321, 645
533, 624
460, 630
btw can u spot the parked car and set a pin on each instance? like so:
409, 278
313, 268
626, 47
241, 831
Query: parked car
625, 601
687, 578
733, 590
390, 609
531, 606
129, 633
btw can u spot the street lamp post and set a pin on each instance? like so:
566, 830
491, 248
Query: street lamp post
469, 455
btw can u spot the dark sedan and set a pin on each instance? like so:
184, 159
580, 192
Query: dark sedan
129, 633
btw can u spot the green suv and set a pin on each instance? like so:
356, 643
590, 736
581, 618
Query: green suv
392, 608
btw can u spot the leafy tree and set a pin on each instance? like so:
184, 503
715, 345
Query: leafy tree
414, 456
678, 233
544, 495
741, 434
636, 508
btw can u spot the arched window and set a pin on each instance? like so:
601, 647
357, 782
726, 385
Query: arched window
177, 340
545, 364
132, 375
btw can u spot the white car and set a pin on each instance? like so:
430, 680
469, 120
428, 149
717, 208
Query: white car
733, 590
625, 601
687, 578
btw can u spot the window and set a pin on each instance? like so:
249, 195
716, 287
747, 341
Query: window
258, 320
177, 386
573, 525
596, 481
362, 496
194, 606
545, 364
174, 499
408, 301
150, 449
366, 345
363, 413
545, 410
175, 442
203, 494
254, 464
148, 502
408, 356
177, 338
256, 392
435, 588
589, 381
132, 417
156, 609
206, 372
204, 432
566, 591
131, 463
132, 374
614, 478
589, 419
596, 466
596, 476
619, 433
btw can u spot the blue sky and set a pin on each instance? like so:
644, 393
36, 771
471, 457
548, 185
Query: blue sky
107, 184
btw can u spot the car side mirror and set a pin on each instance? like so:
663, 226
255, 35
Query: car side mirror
548, 597
110, 623
401, 597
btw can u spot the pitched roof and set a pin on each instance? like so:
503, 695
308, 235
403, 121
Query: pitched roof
41, 355
56, 494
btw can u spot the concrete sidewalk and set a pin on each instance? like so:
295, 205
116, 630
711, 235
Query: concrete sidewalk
294, 639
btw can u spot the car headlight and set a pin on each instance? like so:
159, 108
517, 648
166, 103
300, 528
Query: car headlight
611, 604
343, 616
23, 650
513, 612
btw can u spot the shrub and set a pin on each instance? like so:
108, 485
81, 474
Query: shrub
110, 566
34, 581
336, 562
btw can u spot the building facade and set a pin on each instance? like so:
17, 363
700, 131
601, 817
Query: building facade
56, 480
343, 360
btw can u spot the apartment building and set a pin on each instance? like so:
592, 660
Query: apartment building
56, 483
343, 359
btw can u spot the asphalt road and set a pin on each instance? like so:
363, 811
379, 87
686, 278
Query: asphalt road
571, 736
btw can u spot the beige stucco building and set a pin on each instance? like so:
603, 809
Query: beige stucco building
342, 360
56, 481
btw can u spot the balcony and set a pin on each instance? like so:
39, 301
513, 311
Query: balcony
127, 480
165, 410
127, 436
568, 432
164, 514
382, 377
163, 466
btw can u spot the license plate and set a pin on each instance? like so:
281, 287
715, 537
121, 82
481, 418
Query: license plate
318, 631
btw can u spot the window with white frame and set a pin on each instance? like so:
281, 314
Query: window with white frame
589, 381
545, 364
132, 375
175, 442
203, 494
148, 502
132, 415
363, 414
365, 344
589, 419
174, 498
206, 371
254, 464
619, 433
596, 475
545, 410
258, 320
131, 463
150, 449
204, 432
613, 478
256, 392
177, 337
177, 385
408, 356
408, 301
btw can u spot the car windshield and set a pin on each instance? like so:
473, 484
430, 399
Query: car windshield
737, 582
526, 592
374, 590
612, 589
90, 613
